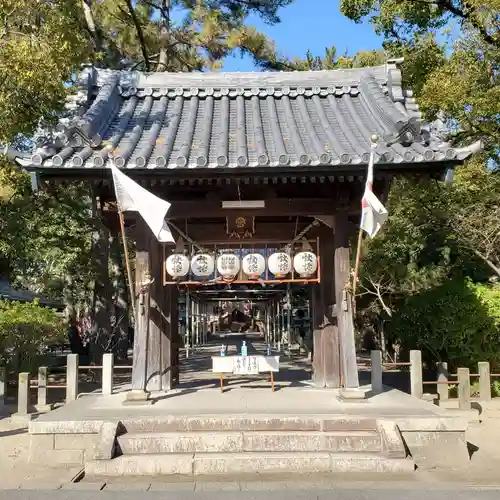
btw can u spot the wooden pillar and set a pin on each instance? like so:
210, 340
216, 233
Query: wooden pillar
344, 303
170, 338
142, 277
326, 360
155, 317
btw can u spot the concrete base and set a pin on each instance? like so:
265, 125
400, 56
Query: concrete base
238, 463
22, 417
356, 394
255, 424
137, 398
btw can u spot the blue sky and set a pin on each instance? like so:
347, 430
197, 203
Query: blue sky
311, 24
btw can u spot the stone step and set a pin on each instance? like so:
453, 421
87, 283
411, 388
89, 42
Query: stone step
253, 423
249, 463
264, 441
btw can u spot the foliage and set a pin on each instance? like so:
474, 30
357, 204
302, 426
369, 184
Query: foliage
26, 329
436, 233
459, 81
41, 44
43, 235
458, 321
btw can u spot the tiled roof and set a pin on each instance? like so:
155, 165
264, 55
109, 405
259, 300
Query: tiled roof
206, 120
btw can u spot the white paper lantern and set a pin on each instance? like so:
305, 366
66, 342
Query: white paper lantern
202, 265
305, 264
177, 265
280, 264
228, 265
254, 265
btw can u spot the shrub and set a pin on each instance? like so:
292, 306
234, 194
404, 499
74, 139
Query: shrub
26, 329
457, 322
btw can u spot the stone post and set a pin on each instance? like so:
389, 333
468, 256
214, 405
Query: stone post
442, 376
377, 385
107, 374
71, 377
23, 395
463, 376
42, 387
3, 385
484, 381
416, 386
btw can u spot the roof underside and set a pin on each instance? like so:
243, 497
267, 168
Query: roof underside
299, 119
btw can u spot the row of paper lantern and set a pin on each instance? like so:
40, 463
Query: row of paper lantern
228, 265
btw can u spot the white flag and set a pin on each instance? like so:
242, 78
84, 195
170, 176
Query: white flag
131, 197
373, 213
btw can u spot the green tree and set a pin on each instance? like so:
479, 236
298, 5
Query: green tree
456, 79
26, 330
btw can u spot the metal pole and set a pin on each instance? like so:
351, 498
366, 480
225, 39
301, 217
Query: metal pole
188, 329
289, 316
279, 326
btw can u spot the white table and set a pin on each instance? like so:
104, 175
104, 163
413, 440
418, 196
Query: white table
245, 365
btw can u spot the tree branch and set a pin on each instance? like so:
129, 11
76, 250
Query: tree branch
486, 260
140, 34
467, 14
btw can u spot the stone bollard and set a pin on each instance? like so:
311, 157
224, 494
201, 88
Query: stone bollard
377, 385
442, 376
41, 402
484, 381
3, 385
463, 376
107, 374
416, 385
71, 377
23, 398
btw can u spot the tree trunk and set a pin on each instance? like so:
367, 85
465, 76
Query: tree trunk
91, 25
120, 296
101, 338
164, 35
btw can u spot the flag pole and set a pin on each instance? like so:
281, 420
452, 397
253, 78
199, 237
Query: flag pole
127, 262
373, 146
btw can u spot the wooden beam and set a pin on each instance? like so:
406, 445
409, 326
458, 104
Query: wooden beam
264, 231
274, 207
344, 303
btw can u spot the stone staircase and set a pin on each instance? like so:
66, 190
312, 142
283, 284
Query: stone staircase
240, 444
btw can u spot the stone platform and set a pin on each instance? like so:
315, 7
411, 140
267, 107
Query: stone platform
249, 429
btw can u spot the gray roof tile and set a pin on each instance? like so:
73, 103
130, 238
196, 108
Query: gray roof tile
209, 120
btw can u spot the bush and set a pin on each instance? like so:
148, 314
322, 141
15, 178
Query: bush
26, 329
457, 322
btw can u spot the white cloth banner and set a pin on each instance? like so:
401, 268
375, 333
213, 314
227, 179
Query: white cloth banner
131, 197
373, 213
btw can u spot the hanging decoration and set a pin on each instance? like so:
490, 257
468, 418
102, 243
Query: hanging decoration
177, 265
279, 264
202, 265
228, 265
240, 227
254, 265
305, 264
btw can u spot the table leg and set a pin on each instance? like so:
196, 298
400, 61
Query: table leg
221, 382
272, 381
